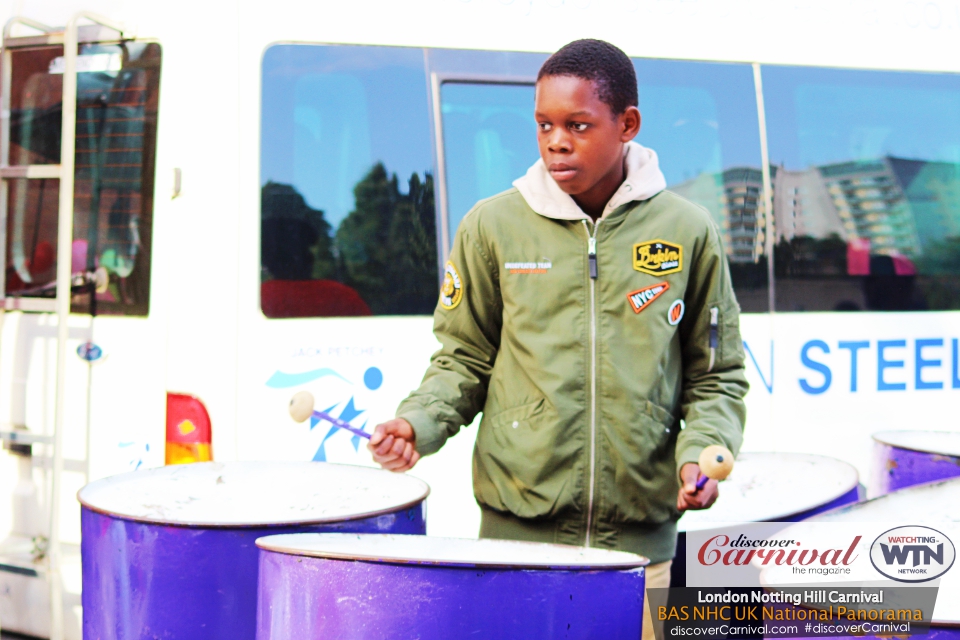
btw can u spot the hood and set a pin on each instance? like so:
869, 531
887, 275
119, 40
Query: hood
644, 180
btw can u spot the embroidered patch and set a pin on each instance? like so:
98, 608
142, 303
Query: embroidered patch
675, 313
657, 257
528, 267
452, 290
641, 298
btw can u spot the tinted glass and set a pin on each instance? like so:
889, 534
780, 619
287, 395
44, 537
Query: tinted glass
701, 119
348, 224
867, 188
117, 97
489, 136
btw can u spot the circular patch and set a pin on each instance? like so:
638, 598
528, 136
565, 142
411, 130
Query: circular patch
452, 290
675, 313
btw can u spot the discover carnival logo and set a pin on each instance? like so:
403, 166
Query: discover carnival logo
912, 554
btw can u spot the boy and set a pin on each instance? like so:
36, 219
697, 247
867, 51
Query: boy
585, 312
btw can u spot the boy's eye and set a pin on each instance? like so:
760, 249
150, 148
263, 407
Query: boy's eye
545, 126
578, 126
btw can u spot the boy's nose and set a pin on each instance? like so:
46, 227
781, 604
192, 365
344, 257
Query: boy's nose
558, 141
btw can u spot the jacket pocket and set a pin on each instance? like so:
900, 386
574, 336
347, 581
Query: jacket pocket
523, 415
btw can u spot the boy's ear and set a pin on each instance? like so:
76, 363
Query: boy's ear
629, 124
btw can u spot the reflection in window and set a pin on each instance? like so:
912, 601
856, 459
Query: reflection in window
490, 140
348, 223
701, 119
867, 189
117, 97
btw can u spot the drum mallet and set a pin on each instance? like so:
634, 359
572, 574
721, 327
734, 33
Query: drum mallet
301, 408
715, 462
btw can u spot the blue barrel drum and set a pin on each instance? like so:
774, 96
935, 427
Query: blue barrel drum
171, 553
770, 487
906, 458
364, 586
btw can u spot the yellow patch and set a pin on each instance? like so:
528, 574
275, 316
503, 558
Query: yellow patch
657, 257
186, 427
451, 293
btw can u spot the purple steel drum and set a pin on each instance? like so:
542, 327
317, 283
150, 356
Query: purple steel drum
363, 586
170, 552
905, 458
935, 504
770, 487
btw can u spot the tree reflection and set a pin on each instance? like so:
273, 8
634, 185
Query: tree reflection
385, 249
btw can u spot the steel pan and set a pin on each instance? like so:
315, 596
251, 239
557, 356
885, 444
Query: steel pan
386, 586
906, 458
770, 487
170, 553
933, 504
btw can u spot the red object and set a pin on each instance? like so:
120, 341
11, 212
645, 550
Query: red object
188, 430
903, 266
858, 257
187, 419
310, 299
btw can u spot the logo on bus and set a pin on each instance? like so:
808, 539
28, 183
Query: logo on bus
912, 554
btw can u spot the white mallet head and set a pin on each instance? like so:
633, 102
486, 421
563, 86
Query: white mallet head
716, 462
301, 406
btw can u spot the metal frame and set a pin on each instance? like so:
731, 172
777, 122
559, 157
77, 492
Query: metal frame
102, 30
769, 226
437, 80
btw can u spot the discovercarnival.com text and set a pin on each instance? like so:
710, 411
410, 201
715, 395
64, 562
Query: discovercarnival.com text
811, 629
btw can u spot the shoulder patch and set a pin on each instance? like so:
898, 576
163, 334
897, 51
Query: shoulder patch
657, 257
451, 293
675, 313
641, 298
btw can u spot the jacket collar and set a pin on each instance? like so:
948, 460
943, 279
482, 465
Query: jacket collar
644, 180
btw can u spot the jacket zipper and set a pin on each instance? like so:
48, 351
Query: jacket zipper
594, 273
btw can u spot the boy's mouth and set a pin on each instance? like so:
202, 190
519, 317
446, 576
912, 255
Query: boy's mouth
562, 172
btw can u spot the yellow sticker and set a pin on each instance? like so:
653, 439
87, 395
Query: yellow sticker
657, 257
452, 290
186, 427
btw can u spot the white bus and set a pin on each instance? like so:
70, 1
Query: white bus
264, 194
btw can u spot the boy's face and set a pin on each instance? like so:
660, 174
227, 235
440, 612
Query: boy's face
581, 140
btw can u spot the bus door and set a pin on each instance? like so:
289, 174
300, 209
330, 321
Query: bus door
77, 139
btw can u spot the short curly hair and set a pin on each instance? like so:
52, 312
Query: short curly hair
605, 65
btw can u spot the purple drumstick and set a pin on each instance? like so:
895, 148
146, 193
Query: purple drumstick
702, 482
337, 422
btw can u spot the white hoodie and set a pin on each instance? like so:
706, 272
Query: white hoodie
643, 181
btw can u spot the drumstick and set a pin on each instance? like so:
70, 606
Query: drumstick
301, 408
716, 463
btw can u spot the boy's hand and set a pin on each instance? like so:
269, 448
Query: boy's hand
392, 445
689, 497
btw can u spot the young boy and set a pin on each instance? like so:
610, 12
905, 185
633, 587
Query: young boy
585, 312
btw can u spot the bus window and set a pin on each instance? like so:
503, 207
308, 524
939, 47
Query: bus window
701, 119
490, 140
117, 90
866, 188
348, 224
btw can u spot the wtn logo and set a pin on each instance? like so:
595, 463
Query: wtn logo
900, 552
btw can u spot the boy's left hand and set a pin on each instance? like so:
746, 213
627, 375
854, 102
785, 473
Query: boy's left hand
689, 497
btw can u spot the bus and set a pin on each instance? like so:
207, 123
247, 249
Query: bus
264, 196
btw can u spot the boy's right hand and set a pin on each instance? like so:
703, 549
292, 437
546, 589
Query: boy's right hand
392, 445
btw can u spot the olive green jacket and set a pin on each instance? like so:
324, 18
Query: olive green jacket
583, 381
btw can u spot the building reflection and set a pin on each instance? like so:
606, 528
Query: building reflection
880, 234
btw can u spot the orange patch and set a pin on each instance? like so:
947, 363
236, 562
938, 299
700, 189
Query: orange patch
641, 298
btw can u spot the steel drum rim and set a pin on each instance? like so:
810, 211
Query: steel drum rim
789, 514
85, 504
879, 434
265, 544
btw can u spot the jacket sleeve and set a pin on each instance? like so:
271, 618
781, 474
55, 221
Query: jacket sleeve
454, 388
714, 380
